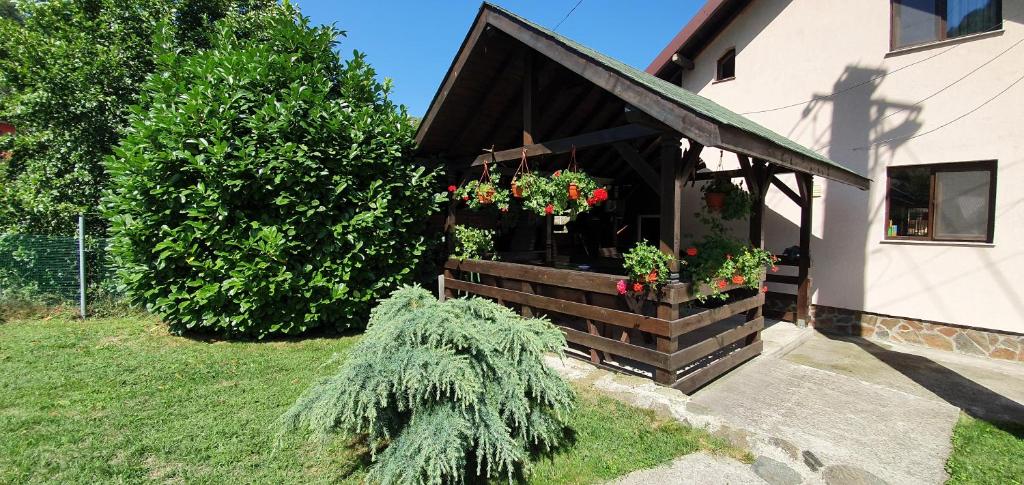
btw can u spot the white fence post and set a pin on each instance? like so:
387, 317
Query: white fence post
81, 264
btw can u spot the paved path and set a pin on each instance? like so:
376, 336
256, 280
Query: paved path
820, 410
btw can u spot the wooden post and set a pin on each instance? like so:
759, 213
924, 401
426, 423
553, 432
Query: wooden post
805, 183
675, 170
667, 311
529, 90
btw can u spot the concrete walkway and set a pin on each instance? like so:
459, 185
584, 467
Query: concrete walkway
818, 410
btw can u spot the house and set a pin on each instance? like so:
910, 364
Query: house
925, 98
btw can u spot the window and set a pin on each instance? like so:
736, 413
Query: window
726, 66
922, 21
945, 202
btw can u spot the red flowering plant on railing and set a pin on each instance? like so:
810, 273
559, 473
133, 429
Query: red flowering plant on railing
719, 260
647, 269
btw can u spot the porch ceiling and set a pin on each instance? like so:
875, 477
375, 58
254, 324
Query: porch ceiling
575, 90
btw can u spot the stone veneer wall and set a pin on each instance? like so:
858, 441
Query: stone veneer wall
954, 338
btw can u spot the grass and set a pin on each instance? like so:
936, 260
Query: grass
121, 400
984, 452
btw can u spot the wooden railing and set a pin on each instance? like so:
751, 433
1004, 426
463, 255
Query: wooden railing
681, 346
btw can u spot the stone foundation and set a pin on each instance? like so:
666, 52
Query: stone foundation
941, 336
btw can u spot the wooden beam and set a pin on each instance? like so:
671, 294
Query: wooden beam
779, 184
682, 62
721, 173
564, 145
633, 158
740, 141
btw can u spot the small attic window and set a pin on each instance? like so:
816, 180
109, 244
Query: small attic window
726, 66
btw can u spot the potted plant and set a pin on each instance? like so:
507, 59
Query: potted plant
473, 243
727, 199
479, 194
647, 271
719, 260
564, 193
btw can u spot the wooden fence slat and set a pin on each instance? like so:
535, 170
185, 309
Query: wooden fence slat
704, 375
615, 317
577, 280
693, 322
611, 346
680, 359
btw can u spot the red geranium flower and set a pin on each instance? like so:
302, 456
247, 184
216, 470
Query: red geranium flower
728, 256
600, 195
550, 209
504, 209
764, 289
775, 269
738, 279
451, 188
637, 287
691, 251
591, 201
465, 197
558, 173
652, 277
722, 284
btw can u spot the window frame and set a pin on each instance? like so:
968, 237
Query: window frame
941, 21
718, 65
934, 168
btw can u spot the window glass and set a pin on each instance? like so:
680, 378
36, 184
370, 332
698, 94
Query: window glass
965, 17
916, 22
962, 205
727, 65
909, 192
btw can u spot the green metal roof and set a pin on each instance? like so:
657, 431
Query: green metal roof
687, 99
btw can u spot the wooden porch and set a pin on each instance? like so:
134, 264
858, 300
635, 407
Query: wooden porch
516, 89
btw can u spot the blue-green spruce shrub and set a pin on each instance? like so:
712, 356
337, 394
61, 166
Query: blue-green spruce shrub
443, 391
266, 187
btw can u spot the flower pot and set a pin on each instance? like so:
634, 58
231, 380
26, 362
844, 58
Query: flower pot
517, 190
485, 196
715, 200
574, 192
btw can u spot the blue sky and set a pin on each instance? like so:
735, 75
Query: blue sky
413, 42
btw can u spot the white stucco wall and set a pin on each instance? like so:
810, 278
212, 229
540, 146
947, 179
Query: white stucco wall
792, 51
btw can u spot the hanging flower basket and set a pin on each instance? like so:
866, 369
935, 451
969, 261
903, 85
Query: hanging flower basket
727, 199
569, 192
484, 192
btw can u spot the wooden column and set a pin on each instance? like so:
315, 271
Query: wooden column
675, 170
805, 182
529, 91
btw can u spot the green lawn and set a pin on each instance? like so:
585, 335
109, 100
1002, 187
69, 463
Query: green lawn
120, 400
986, 453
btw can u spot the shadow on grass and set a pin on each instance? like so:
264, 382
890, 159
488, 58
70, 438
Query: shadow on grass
323, 332
973, 398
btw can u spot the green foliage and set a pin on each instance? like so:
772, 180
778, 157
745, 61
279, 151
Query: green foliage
473, 243
482, 194
268, 187
69, 73
984, 452
540, 193
9, 11
647, 265
435, 386
721, 260
738, 202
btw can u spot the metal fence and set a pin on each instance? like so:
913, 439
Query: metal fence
56, 270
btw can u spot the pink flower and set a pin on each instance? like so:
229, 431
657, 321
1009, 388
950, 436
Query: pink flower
621, 287
451, 188
775, 269
764, 289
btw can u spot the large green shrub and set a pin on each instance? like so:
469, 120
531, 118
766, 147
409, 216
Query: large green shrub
444, 391
268, 187
70, 71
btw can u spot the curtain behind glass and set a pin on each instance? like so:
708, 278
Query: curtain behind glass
962, 205
965, 17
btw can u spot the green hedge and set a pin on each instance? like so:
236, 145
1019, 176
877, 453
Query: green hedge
266, 187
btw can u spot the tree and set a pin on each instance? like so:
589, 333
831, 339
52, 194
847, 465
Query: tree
69, 72
267, 187
9, 11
